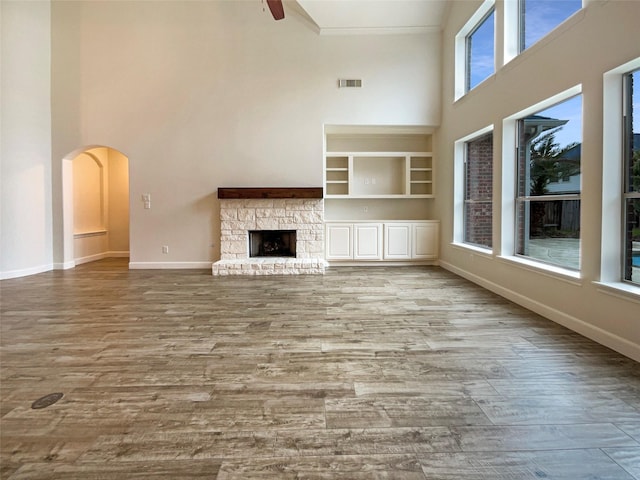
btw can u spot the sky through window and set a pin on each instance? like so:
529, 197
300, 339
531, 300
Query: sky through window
542, 16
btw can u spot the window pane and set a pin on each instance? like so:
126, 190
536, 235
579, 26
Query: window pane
632, 243
550, 232
549, 151
539, 17
478, 207
632, 147
480, 52
550, 144
631, 255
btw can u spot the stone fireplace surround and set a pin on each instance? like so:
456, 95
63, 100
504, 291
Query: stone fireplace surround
245, 209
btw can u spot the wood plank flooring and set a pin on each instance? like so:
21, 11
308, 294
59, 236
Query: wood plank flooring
363, 373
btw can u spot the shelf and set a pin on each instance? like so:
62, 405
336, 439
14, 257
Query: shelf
425, 189
421, 176
337, 177
379, 154
378, 162
373, 197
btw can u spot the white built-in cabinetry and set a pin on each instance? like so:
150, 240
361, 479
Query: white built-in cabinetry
382, 241
378, 182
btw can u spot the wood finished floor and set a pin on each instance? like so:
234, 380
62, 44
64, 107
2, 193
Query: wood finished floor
363, 373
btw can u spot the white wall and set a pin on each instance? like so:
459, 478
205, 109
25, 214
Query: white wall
600, 37
25, 152
200, 95
66, 122
118, 193
90, 184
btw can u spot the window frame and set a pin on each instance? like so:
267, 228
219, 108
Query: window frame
508, 244
467, 201
462, 71
514, 31
627, 152
469, 49
460, 191
611, 236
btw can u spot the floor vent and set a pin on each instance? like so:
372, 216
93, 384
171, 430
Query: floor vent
46, 401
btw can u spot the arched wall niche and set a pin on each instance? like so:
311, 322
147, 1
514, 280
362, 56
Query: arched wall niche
95, 203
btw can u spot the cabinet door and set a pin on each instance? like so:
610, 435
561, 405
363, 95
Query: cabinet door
368, 241
397, 241
425, 240
339, 241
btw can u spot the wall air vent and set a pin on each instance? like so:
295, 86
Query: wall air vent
343, 82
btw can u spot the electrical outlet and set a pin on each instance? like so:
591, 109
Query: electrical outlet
365, 209
165, 249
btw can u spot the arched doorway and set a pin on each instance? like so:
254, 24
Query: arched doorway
95, 200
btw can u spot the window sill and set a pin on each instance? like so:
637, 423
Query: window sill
620, 290
461, 96
570, 276
486, 252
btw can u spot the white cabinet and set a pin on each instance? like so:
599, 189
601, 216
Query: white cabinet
425, 240
378, 162
399, 241
367, 241
339, 244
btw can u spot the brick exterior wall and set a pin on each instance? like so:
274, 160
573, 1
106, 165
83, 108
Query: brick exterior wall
522, 189
478, 211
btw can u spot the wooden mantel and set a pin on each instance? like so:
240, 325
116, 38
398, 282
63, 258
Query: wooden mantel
266, 192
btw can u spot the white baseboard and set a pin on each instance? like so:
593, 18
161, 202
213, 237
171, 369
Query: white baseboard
91, 258
64, 265
597, 334
25, 271
169, 265
381, 263
100, 256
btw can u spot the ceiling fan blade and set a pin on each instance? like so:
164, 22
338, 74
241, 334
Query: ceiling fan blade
277, 10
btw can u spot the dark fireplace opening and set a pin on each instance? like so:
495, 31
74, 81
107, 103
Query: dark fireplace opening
272, 243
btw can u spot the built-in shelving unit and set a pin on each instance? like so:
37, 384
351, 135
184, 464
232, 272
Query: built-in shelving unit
377, 184
378, 162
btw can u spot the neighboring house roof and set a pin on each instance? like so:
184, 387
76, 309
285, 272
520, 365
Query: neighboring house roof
536, 124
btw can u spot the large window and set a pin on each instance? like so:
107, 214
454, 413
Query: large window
631, 177
480, 51
539, 17
478, 191
475, 49
548, 184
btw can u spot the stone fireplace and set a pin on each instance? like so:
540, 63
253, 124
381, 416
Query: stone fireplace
267, 231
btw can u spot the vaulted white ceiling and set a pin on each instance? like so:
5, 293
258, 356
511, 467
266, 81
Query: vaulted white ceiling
342, 17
